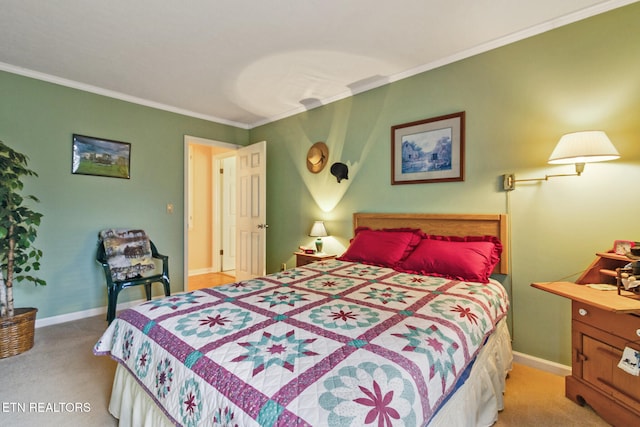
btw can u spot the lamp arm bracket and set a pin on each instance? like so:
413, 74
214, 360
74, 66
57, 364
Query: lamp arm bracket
546, 177
509, 180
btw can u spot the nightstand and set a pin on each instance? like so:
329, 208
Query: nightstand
304, 259
603, 323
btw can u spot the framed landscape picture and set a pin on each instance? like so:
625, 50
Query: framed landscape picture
101, 157
430, 150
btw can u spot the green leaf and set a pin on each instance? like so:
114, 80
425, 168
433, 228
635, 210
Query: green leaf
17, 216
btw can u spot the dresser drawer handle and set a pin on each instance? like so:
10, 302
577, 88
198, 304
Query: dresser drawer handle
638, 332
584, 312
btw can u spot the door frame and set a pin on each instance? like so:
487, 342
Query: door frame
188, 140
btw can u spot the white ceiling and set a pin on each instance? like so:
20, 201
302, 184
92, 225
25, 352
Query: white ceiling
248, 62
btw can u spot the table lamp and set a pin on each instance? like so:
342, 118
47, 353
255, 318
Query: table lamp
318, 230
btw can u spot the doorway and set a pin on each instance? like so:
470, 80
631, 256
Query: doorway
209, 213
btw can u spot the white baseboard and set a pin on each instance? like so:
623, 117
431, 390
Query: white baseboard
542, 364
54, 320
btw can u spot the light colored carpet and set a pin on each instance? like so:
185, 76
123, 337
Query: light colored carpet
536, 398
60, 382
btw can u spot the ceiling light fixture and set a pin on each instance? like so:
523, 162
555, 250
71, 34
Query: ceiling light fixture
578, 148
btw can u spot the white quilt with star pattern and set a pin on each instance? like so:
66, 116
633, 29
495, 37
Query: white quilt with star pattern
332, 343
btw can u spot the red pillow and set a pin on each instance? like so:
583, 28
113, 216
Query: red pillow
471, 258
386, 247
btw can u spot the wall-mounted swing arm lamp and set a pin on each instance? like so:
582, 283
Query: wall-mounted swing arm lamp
578, 148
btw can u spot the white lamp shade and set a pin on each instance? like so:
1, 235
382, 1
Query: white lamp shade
318, 229
583, 147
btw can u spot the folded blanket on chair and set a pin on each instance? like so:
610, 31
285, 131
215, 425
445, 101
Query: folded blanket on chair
128, 252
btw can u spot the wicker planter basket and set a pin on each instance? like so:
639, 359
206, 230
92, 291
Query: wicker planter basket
17, 332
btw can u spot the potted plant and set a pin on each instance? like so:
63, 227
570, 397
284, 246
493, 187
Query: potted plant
18, 257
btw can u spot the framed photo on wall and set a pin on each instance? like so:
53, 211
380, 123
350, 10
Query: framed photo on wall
430, 150
101, 157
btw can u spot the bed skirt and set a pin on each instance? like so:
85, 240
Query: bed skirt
476, 402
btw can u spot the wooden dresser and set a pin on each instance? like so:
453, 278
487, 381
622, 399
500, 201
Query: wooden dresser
603, 323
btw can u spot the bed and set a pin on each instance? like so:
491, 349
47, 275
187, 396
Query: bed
375, 337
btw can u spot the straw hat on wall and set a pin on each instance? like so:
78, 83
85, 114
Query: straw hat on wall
317, 157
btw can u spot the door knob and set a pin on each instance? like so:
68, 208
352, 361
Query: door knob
263, 225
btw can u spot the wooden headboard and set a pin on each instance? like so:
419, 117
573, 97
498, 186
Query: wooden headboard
444, 225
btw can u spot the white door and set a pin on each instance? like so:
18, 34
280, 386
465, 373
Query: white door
251, 211
228, 228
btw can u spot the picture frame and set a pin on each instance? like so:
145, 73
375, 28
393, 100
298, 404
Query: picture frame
429, 150
623, 247
100, 157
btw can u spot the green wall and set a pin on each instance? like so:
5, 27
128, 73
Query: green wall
519, 100
38, 119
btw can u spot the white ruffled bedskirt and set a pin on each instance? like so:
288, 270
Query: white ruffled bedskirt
478, 400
